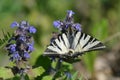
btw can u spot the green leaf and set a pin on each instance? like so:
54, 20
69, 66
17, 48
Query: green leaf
81, 78
47, 78
4, 73
37, 71
6, 37
75, 75
31, 74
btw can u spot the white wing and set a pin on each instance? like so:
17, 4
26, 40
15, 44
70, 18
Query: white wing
59, 46
83, 43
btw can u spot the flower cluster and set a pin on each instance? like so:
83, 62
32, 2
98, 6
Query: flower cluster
21, 43
68, 22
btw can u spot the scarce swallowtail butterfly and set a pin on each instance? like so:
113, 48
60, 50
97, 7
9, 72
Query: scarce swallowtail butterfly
71, 45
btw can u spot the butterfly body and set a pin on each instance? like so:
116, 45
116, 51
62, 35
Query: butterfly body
71, 44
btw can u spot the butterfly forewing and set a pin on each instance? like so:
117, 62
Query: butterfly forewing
59, 46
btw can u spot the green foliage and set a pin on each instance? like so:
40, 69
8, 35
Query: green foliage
4, 73
89, 59
6, 37
74, 76
47, 78
100, 29
35, 72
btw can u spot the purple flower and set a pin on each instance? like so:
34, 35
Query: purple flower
12, 47
24, 24
66, 26
22, 38
32, 29
30, 47
14, 24
77, 26
16, 56
70, 13
57, 24
26, 55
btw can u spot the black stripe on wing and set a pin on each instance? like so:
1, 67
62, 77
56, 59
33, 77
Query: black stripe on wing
50, 53
88, 42
99, 46
57, 45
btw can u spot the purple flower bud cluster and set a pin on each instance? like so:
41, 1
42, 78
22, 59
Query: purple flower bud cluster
24, 26
21, 43
68, 22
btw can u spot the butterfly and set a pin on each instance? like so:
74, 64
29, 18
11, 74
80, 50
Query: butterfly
72, 44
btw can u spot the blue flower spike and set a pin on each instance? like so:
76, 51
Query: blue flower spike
21, 45
24, 44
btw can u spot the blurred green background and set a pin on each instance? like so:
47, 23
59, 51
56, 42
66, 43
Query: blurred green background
99, 18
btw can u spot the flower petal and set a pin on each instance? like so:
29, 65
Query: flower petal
26, 55
32, 29
14, 24
13, 47
77, 26
70, 13
57, 24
